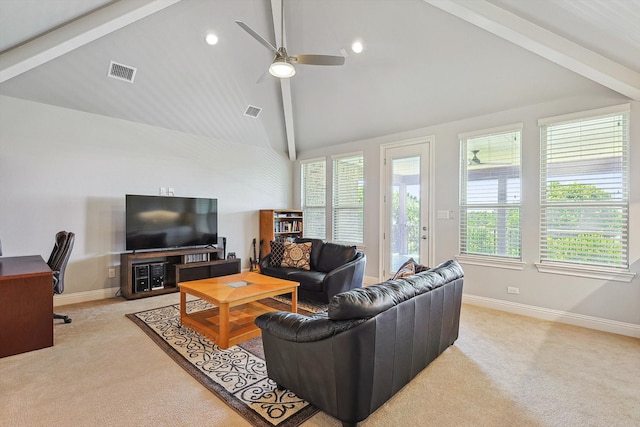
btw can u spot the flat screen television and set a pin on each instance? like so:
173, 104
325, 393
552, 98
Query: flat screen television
161, 222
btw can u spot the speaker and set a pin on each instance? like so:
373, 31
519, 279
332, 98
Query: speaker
157, 273
141, 278
224, 248
222, 243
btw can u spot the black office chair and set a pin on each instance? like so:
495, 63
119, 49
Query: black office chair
58, 263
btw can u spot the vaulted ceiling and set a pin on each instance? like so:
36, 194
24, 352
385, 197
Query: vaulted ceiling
424, 62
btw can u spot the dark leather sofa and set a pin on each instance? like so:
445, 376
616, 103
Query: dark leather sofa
372, 341
334, 268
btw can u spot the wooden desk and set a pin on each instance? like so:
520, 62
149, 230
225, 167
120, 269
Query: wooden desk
26, 304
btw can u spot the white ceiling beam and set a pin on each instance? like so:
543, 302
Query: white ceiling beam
545, 43
76, 34
285, 84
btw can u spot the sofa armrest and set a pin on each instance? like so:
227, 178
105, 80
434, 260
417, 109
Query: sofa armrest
345, 277
298, 328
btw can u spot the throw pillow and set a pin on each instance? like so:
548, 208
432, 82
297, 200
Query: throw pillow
277, 252
406, 269
316, 248
420, 268
297, 255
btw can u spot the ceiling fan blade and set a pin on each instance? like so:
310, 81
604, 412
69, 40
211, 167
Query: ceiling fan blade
318, 59
262, 76
258, 37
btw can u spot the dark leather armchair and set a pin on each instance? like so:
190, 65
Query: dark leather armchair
334, 269
58, 264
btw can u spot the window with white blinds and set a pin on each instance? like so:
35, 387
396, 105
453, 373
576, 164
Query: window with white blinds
314, 198
348, 199
584, 189
490, 186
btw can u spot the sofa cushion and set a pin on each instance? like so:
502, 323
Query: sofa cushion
374, 299
279, 272
423, 282
334, 255
277, 251
299, 328
369, 301
308, 279
297, 255
449, 270
316, 249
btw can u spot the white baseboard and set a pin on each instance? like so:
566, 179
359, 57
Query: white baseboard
76, 297
606, 325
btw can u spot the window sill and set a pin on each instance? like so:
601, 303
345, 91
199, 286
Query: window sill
509, 264
591, 272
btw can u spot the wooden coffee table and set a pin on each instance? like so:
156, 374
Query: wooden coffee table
236, 297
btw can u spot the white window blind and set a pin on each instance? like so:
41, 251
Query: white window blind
584, 202
314, 198
490, 193
348, 199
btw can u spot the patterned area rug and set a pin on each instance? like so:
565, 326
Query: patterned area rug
238, 375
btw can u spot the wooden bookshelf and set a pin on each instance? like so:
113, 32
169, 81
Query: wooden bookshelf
280, 225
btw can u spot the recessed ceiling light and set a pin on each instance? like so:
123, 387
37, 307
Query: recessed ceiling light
356, 47
211, 39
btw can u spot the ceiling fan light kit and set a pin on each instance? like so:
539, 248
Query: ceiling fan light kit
281, 68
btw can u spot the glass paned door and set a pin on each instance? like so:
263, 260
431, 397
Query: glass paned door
405, 210
406, 206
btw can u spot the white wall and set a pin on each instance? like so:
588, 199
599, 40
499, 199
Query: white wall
64, 169
612, 301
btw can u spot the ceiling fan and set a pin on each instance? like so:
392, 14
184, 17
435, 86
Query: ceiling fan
475, 160
282, 65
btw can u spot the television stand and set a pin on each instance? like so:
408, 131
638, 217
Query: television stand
146, 274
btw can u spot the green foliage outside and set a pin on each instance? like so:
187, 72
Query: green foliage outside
484, 237
578, 241
411, 227
571, 236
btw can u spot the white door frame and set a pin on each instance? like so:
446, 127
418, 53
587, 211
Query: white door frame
384, 220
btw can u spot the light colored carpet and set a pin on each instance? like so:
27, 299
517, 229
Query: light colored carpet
504, 370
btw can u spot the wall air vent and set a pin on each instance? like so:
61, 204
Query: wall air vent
121, 72
252, 111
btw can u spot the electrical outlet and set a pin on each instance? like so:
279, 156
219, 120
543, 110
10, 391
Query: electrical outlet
513, 290
112, 273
